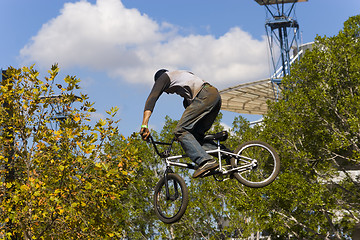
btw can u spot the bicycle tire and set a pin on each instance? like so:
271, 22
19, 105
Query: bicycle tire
171, 210
267, 168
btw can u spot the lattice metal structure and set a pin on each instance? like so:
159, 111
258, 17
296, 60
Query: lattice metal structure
59, 111
283, 35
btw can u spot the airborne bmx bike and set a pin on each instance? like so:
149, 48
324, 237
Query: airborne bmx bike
255, 164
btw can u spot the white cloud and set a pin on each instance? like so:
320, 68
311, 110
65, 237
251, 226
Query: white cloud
131, 46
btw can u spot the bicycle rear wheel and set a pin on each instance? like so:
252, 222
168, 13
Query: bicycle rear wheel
257, 162
170, 207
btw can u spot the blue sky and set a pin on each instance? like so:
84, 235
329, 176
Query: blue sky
115, 46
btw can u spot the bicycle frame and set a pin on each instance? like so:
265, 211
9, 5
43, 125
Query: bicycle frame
171, 160
171, 195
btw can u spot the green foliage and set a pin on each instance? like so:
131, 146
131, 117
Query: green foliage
315, 129
62, 182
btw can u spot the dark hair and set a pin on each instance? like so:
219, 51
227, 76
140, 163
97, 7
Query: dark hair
159, 73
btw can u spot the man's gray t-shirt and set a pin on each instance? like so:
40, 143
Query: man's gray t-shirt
181, 82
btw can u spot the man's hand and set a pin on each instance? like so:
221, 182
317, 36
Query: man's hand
145, 133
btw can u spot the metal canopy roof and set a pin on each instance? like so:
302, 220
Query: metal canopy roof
270, 2
248, 98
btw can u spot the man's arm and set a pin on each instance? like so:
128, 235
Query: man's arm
147, 114
160, 85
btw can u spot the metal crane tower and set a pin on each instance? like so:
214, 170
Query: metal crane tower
283, 36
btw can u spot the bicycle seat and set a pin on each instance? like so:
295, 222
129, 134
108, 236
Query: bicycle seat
221, 136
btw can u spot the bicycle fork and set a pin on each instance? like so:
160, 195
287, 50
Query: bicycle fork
176, 193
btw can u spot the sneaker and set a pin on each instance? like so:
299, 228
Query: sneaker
211, 164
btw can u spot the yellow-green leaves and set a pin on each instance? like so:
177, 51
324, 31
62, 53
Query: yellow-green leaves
58, 173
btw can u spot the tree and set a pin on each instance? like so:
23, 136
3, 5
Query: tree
64, 184
315, 128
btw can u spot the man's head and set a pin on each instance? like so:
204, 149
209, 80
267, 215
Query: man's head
159, 73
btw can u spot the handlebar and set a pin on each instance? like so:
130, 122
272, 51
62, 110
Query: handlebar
167, 151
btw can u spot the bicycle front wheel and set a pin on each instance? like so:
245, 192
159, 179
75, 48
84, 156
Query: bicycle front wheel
257, 164
170, 198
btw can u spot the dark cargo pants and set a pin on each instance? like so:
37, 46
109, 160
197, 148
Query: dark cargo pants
196, 120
